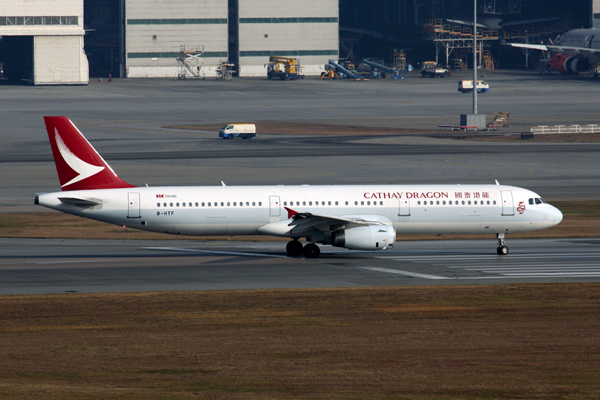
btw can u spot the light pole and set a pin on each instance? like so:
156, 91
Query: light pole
475, 57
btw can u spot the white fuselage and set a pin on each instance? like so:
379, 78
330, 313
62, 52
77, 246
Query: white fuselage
244, 210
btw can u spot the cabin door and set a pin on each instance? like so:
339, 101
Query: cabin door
508, 207
133, 200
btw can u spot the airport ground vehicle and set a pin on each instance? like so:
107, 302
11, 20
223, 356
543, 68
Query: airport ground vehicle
356, 217
284, 68
466, 86
432, 70
384, 70
231, 131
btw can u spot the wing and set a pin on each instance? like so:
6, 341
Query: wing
306, 224
583, 51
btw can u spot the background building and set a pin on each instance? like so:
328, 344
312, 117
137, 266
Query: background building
42, 42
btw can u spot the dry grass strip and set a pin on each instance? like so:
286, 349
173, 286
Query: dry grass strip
441, 342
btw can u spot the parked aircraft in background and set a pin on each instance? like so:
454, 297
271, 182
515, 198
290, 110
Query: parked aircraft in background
574, 51
359, 217
495, 23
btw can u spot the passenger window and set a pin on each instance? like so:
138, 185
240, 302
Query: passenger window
356, 203
494, 202
177, 204
450, 202
183, 204
444, 202
285, 203
209, 204
336, 203
170, 204
253, 204
419, 203
310, 203
157, 204
328, 203
346, 203
196, 204
202, 204
227, 204
164, 204
475, 202
259, 203
234, 203
303, 203
469, 202
488, 202
437, 203
368, 203
463, 202
247, 204
322, 203
362, 203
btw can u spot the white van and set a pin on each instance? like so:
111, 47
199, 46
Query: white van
230, 131
467, 86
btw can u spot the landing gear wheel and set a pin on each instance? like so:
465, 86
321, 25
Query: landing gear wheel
311, 251
294, 248
502, 251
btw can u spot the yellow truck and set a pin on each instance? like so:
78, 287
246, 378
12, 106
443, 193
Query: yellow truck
284, 68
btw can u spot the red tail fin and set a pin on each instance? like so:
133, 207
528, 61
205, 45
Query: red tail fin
78, 164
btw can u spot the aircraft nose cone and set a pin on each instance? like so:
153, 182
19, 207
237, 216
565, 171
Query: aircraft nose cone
556, 215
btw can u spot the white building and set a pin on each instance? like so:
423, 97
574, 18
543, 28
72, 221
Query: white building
244, 32
42, 41
305, 29
156, 31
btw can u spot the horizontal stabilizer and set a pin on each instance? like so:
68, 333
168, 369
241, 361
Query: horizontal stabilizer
79, 202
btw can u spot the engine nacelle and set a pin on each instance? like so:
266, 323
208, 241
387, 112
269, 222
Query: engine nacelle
567, 64
372, 237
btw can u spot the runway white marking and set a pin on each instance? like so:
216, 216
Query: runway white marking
516, 266
226, 253
395, 271
67, 262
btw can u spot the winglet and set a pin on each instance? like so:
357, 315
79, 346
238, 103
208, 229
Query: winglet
78, 164
291, 212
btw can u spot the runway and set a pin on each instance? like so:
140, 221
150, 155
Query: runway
37, 266
128, 122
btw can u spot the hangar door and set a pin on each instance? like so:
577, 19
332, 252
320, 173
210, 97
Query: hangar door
16, 53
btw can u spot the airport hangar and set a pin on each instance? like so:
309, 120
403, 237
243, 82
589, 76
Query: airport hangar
46, 42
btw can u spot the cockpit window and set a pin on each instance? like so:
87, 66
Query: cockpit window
537, 200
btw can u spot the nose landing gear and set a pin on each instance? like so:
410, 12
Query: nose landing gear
502, 250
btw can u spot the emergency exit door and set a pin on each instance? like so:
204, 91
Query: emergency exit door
274, 206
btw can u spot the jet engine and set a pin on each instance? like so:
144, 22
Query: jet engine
568, 64
371, 237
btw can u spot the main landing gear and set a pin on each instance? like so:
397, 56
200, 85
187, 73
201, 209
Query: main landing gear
502, 250
295, 248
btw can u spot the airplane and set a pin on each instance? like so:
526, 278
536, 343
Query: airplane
575, 51
357, 217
